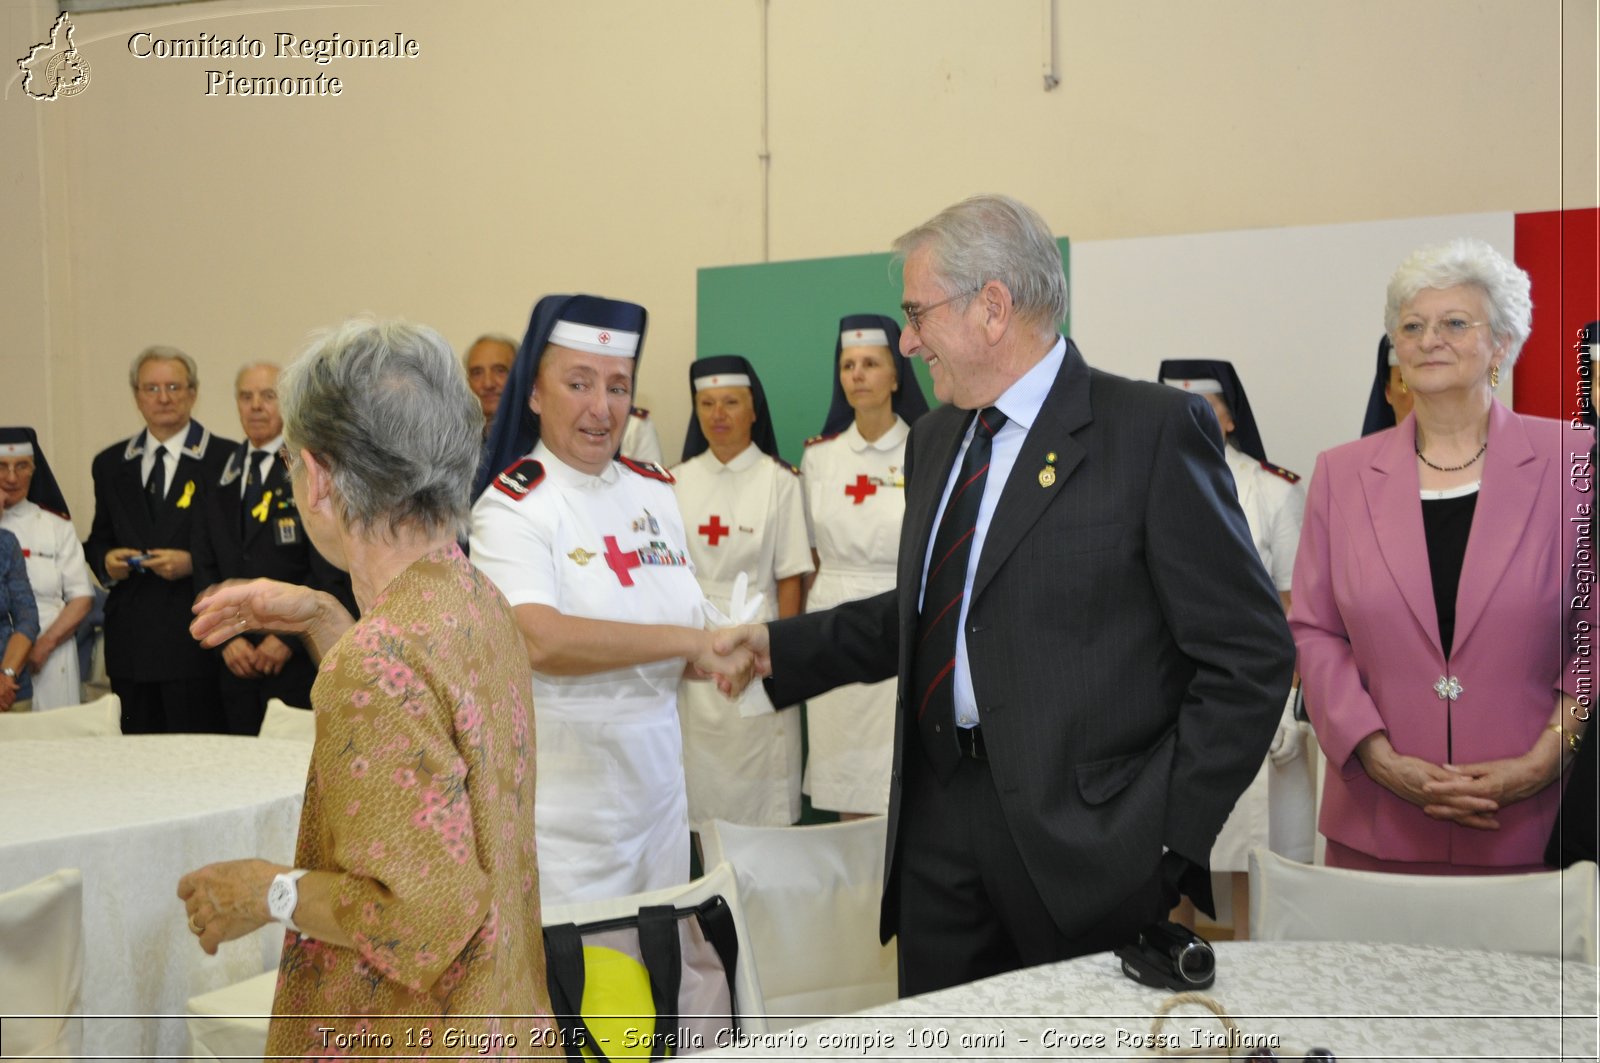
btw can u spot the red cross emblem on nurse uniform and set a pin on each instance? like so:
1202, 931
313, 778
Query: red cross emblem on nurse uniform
714, 530
621, 562
861, 489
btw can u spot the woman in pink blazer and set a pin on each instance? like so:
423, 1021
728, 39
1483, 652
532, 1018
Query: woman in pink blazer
1434, 604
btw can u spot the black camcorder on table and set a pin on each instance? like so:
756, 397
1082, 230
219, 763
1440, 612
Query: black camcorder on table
1170, 956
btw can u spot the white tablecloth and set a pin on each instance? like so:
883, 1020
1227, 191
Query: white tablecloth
1366, 1002
134, 813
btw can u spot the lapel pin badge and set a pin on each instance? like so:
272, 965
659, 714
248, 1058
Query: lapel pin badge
1047, 475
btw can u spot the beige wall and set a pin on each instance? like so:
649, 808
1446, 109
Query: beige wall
614, 146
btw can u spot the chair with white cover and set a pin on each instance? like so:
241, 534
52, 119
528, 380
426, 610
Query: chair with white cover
812, 896
287, 722
720, 880
41, 967
1546, 913
95, 719
231, 1023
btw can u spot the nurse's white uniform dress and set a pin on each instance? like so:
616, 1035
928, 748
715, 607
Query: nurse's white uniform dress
855, 492
745, 516
1277, 810
610, 811
58, 573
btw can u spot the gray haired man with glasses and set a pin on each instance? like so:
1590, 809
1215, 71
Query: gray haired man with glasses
147, 494
1091, 659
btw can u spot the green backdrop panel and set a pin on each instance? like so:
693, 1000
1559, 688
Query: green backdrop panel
783, 316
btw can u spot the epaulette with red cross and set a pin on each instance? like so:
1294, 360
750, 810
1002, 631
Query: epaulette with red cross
785, 465
822, 439
1279, 470
520, 478
648, 469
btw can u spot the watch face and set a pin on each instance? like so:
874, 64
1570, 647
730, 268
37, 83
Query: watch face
282, 898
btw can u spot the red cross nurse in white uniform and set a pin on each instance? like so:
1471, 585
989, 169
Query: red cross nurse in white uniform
854, 475
590, 552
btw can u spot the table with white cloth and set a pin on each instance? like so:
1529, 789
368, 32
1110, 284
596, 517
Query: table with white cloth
134, 813
1360, 1001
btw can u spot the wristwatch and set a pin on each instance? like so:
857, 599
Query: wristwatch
9, 673
284, 897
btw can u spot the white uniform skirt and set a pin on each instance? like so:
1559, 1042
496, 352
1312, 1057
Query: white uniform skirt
609, 808
743, 769
850, 729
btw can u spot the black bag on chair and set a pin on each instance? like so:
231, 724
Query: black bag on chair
661, 980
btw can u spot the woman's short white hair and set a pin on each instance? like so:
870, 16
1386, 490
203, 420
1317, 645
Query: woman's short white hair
995, 238
1465, 260
385, 406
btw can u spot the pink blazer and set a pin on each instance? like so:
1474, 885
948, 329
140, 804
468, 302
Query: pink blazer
1368, 635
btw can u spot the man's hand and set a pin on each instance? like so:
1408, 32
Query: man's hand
241, 658
227, 900
117, 562
732, 669
272, 654
9, 688
753, 638
169, 564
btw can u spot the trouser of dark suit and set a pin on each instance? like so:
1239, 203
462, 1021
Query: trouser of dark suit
244, 701
175, 706
968, 907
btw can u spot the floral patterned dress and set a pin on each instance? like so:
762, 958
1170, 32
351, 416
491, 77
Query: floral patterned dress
420, 797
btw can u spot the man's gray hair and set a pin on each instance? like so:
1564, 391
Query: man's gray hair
490, 337
246, 367
385, 407
160, 353
1465, 260
995, 238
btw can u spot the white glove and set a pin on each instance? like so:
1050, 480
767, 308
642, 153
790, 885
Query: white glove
1289, 742
741, 610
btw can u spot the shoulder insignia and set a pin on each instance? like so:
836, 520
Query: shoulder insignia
520, 478
639, 412
1279, 470
648, 469
785, 465
822, 439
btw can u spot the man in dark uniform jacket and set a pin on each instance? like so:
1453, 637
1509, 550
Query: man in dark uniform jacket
1091, 658
250, 528
147, 491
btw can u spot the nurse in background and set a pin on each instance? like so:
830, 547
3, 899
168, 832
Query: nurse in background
590, 551
854, 476
32, 508
1390, 401
744, 512
1277, 811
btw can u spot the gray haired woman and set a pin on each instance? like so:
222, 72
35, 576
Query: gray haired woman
415, 888
1434, 607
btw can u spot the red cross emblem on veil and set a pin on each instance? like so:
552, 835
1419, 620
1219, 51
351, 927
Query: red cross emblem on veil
605, 337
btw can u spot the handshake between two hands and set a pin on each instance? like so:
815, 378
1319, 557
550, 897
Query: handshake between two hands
737, 649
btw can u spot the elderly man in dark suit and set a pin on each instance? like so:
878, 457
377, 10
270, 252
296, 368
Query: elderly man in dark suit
1091, 659
251, 528
147, 491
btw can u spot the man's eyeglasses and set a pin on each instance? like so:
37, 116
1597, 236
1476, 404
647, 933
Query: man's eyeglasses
155, 389
1449, 328
915, 313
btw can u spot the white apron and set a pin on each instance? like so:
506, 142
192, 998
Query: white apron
745, 516
610, 812
1277, 810
857, 528
58, 573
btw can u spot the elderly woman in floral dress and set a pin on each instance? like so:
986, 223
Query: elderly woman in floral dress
413, 904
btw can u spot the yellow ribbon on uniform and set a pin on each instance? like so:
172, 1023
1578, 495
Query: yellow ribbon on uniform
259, 511
188, 495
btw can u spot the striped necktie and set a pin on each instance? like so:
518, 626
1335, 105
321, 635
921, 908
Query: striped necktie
934, 657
